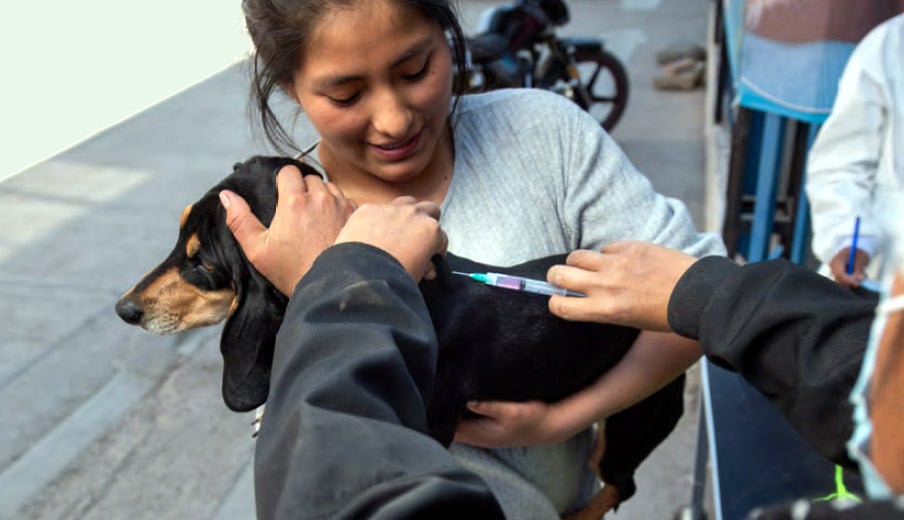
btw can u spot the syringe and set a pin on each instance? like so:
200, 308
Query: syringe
518, 283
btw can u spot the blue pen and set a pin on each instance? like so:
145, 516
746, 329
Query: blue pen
849, 268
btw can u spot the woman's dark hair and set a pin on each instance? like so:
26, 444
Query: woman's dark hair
280, 29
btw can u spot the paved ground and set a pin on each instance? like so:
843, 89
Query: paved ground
104, 421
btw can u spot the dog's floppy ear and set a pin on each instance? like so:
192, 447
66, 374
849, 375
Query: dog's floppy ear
249, 335
248, 341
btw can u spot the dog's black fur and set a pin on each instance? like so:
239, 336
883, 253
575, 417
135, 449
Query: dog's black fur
493, 343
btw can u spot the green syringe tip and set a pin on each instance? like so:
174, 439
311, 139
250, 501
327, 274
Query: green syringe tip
479, 277
482, 278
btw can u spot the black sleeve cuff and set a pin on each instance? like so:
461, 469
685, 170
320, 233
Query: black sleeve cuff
693, 292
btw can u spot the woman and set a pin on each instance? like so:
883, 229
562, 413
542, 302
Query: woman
518, 174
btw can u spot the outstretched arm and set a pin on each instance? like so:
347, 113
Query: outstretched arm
629, 284
655, 359
794, 335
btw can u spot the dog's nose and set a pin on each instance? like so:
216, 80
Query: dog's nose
129, 311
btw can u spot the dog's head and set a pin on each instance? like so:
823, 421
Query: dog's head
207, 279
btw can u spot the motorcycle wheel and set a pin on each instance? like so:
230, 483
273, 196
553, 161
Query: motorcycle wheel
606, 81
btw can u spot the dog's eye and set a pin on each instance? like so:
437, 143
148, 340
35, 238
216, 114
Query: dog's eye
203, 268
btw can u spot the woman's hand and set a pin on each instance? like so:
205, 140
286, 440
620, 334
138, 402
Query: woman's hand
309, 215
505, 423
627, 283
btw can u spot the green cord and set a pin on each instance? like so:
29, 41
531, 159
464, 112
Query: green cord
841, 492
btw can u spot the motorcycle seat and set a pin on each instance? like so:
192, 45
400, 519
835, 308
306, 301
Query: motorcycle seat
487, 47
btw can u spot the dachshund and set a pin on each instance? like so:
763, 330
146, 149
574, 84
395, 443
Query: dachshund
494, 343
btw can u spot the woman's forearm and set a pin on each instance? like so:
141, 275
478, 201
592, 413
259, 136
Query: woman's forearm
655, 359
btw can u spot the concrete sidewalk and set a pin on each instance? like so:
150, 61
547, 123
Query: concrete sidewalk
102, 420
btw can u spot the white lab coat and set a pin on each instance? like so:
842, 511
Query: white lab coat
856, 164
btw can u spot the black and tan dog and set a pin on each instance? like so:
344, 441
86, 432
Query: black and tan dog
493, 343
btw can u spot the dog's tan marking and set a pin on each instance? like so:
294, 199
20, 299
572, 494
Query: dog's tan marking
599, 449
193, 245
233, 306
132, 290
185, 213
599, 505
171, 304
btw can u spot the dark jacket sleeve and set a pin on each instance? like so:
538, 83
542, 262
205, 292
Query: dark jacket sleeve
343, 434
793, 334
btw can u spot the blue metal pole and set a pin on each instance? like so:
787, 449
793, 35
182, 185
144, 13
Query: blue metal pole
801, 240
767, 182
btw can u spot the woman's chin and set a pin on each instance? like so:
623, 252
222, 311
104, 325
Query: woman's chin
397, 174
404, 170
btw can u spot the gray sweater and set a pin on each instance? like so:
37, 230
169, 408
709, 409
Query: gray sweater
535, 175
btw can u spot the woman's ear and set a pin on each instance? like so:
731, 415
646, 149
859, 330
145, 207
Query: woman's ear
289, 88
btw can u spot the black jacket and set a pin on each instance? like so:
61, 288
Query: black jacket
795, 336
344, 433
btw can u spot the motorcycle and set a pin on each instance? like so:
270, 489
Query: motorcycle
517, 46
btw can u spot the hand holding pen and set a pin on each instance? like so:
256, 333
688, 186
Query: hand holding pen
848, 265
852, 254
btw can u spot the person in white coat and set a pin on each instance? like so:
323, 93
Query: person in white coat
856, 167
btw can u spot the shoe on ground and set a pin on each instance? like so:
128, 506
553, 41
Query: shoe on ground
680, 51
683, 74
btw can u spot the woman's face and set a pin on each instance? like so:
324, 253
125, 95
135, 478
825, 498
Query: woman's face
375, 82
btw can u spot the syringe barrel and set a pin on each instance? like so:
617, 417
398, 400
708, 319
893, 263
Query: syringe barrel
506, 281
536, 286
524, 284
